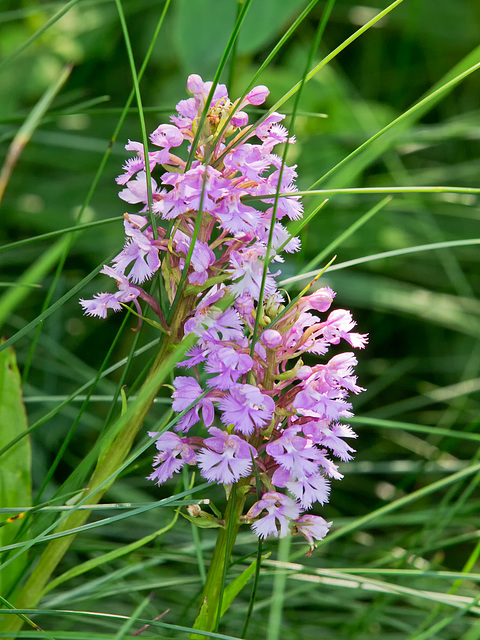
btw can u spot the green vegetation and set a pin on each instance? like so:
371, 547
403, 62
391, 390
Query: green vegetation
388, 125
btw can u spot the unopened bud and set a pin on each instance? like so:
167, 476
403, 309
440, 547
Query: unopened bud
321, 299
257, 95
195, 84
271, 338
304, 372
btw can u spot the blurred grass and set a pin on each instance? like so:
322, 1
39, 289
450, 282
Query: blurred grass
422, 366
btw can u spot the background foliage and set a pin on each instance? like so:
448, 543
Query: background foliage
403, 528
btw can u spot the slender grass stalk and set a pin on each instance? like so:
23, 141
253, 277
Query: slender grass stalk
397, 532
279, 591
59, 14
60, 232
208, 616
109, 460
379, 190
26, 130
469, 242
315, 44
405, 500
70, 238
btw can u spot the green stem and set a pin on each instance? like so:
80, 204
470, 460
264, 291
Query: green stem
109, 461
210, 608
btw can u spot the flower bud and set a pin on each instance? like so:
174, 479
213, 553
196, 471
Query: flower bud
240, 119
271, 338
321, 299
257, 95
195, 84
304, 372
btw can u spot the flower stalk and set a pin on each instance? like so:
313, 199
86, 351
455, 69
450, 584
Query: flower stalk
108, 466
255, 416
259, 413
210, 611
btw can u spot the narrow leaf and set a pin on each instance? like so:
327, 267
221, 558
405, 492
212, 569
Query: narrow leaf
15, 470
234, 588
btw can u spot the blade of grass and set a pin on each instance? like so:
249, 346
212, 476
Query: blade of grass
374, 190
221, 66
44, 419
109, 465
279, 595
286, 36
56, 305
39, 32
22, 616
95, 615
417, 428
12, 298
173, 501
371, 23
128, 624
92, 190
72, 486
54, 234
25, 132
330, 248
15, 472
359, 523
380, 256
268, 257
405, 119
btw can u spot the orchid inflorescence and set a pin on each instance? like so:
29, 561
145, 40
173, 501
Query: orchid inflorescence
270, 421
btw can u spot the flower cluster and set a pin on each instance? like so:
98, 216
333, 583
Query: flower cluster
253, 409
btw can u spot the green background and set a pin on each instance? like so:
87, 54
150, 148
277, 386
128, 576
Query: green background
421, 309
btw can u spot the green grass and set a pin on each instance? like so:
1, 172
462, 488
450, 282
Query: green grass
400, 96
